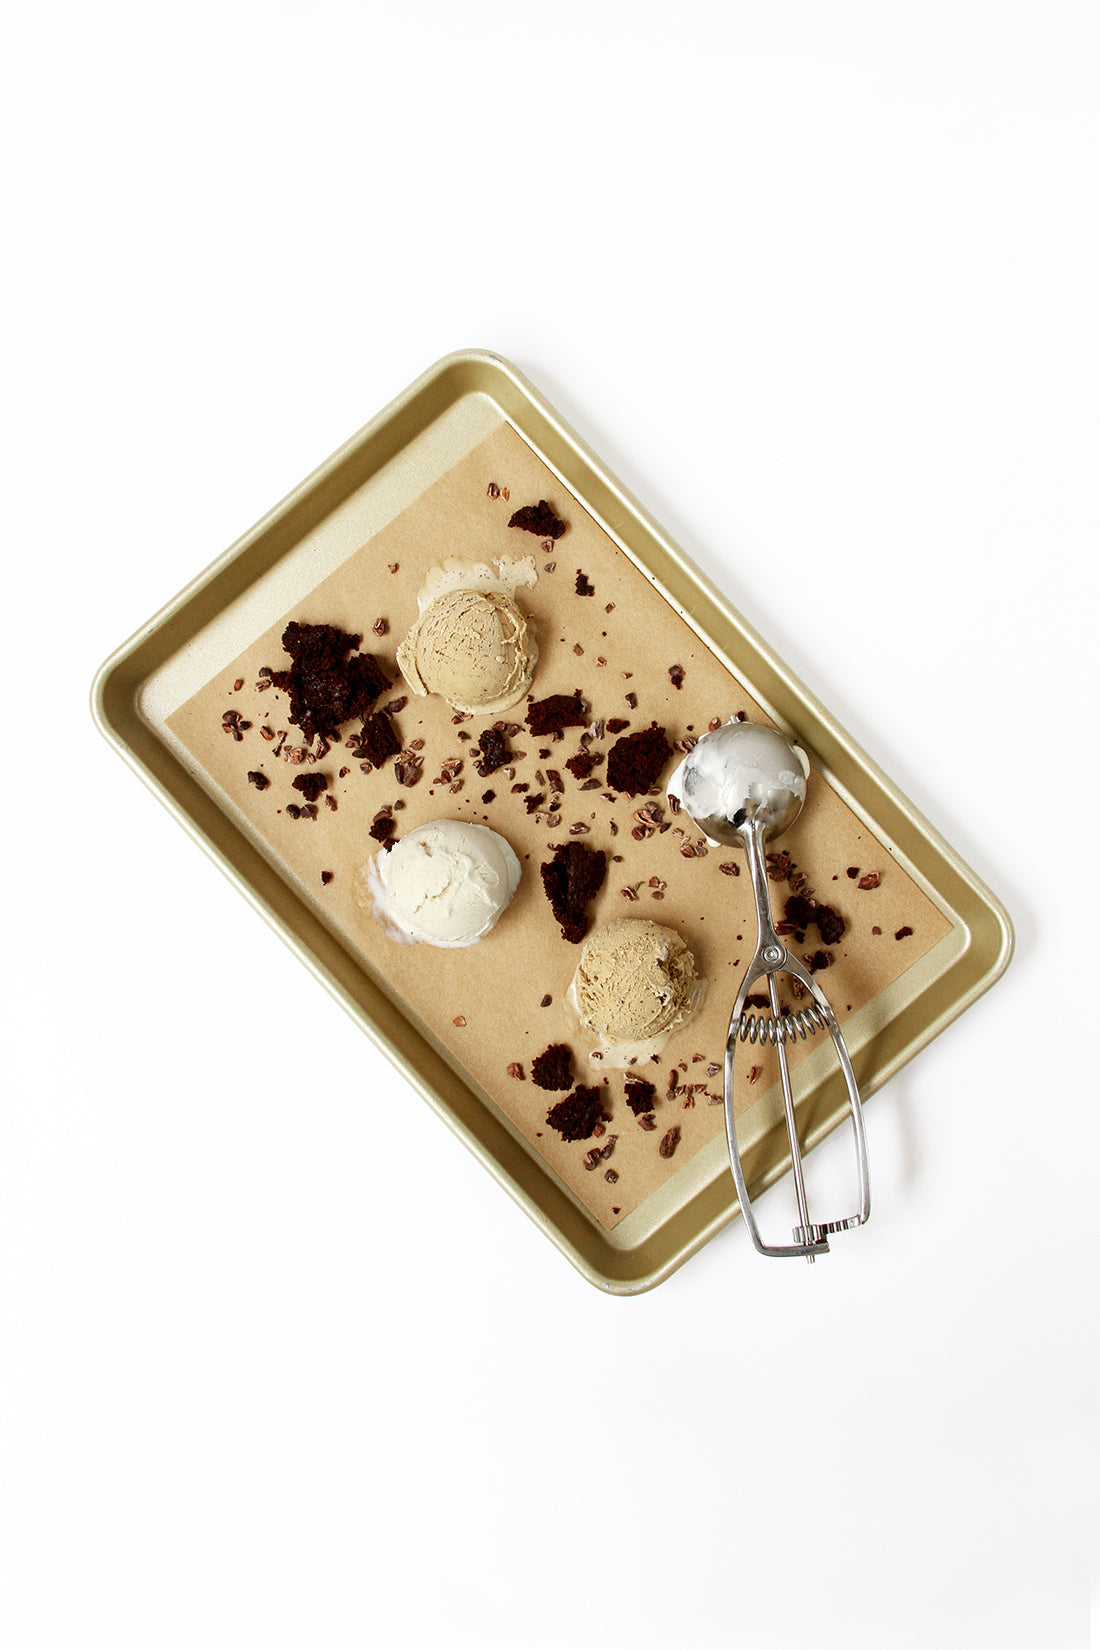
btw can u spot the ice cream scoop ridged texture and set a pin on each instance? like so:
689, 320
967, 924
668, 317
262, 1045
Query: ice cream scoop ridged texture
446, 883
635, 982
473, 648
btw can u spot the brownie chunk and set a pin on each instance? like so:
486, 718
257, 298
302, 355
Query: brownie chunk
553, 1068
830, 923
378, 740
635, 761
799, 910
576, 1116
572, 878
326, 686
311, 785
639, 1095
540, 518
581, 765
559, 711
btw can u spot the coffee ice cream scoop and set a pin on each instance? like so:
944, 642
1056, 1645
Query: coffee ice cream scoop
743, 785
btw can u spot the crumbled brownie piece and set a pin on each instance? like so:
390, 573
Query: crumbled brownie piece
582, 587
819, 960
494, 751
311, 785
799, 910
559, 711
378, 740
576, 1116
572, 878
553, 1068
260, 780
635, 761
382, 827
540, 518
616, 724
639, 1095
830, 924
581, 765
533, 803
329, 681
903, 933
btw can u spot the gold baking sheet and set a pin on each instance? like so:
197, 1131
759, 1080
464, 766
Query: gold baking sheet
440, 474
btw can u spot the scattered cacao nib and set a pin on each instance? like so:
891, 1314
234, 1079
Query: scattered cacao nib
871, 880
592, 1159
676, 675
553, 1068
581, 765
234, 723
730, 868
670, 1141
818, 961
493, 490
639, 1095
853, 872
260, 780
494, 751
540, 518
635, 761
488, 796
632, 700
876, 929
571, 879
546, 1001
576, 1116
583, 588
308, 810
380, 626
754, 1073
326, 878
611, 1176
830, 924
329, 681
553, 715
408, 768
799, 910
311, 785
515, 1069
903, 933
648, 1122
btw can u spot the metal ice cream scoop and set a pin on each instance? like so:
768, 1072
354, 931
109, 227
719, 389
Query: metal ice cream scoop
743, 785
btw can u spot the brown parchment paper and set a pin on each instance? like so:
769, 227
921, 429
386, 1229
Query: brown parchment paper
485, 1003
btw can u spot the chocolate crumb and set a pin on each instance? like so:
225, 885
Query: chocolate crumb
853, 871
576, 1116
260, 780
830, 924
494, 751
554, 714
583, 588
903, 933
676, 676
571, 879
553, 1068
546, 1001
632, 700
870, 880
540, 518
639, 1095
382, 827
326, 878
635, 762
488, 796
311, 785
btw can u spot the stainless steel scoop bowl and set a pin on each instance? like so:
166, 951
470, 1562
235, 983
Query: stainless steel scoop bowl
743, 785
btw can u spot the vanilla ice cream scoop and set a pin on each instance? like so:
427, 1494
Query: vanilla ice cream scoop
635, 982
445, 883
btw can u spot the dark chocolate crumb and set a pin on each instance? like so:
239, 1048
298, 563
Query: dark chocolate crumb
540, 518
488, 796
326, 878
576, 1116
260, 780
311, 785
903, 933
676, 675
329, 681
830, 924
639, 1095
546, 1001
571, 879
583, 588
494, 751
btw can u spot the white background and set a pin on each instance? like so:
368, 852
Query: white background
820, 283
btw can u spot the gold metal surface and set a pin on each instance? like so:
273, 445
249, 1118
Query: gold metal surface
442, 415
